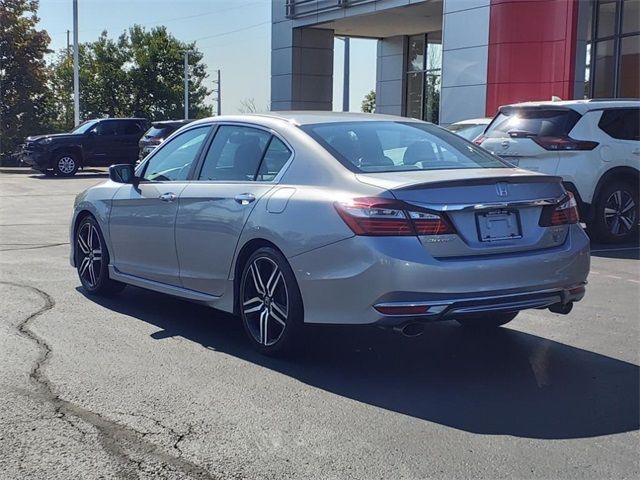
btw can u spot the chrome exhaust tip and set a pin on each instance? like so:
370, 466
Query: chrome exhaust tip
411, 329
561, 308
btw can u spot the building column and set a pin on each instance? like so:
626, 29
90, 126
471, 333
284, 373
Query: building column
532, 51
390, 74
301, 65
465, 46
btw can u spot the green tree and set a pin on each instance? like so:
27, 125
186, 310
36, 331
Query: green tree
157, 75
139, 74
369, 102
25, 100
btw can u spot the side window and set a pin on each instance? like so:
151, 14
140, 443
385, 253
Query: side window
234, 154
130, 128
173, 160
274, 159
621, 123
108, 128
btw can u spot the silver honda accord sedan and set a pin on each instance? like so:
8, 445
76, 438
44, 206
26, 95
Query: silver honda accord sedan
316, 217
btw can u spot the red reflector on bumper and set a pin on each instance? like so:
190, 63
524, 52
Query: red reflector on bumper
402, 309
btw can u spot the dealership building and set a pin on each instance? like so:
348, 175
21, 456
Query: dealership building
449, 60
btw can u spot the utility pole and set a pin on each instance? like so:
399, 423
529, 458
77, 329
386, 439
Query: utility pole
68, 43
186, 83
217, 91
345, 81
76, 74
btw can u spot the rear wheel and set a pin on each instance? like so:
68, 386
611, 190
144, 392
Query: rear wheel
65, 164
92, 259
270, 303
615, 218
487, 320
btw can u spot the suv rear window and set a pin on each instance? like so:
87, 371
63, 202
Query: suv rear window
158, 132
621, 123
537, 122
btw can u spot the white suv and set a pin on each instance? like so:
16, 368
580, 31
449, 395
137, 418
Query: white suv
594, 145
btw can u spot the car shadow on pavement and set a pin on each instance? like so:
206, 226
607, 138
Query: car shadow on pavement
81, 174
628, 251
503, 382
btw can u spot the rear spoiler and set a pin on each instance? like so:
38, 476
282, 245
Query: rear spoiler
484, 181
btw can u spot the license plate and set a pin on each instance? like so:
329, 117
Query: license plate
498, 225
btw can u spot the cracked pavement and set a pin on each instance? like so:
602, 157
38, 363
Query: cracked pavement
144, 386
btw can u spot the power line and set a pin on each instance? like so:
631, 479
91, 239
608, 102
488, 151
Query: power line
231, 31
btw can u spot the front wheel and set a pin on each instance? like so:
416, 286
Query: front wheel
92, 259
487, 320
615, 216
270, 303
65, 165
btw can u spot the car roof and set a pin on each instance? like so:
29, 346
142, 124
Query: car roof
309, 117
582, 106
172, 123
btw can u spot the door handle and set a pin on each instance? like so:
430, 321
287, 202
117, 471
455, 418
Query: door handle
168, 197
636, 152
245, 198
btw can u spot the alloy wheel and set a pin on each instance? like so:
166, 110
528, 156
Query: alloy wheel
265, 301
620, 212
90, 254
66, 165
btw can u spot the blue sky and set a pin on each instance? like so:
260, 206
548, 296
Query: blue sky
234, 35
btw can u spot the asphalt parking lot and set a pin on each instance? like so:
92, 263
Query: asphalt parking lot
147, 386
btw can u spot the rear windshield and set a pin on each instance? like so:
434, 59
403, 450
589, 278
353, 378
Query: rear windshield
399, 146
158, 132
536, 122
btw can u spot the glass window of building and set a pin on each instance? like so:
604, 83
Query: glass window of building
613, 50
424, 73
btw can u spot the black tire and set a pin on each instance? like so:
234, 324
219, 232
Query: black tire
92, 259
615, 214
270, 305
65, 164
488, 320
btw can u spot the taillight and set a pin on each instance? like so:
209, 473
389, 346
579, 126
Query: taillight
374, 216
564, 143
564, 213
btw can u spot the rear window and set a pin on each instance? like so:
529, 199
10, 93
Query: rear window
399, 146
468, 131
535, 122
621, 123
158, 132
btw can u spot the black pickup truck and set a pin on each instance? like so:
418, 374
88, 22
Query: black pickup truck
94, 143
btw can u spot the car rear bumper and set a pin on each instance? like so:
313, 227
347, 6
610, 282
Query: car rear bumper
343, 282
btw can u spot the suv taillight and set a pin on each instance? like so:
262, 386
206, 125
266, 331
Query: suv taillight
564, 143
374, 216
564, 213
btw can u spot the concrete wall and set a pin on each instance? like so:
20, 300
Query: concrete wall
301, 65
390, 75
465, 46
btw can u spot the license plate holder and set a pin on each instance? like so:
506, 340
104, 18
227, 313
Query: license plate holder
496, 225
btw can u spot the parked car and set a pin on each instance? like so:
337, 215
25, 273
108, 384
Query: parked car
469, 129
594, 145
304, 217
158, 132
94, 143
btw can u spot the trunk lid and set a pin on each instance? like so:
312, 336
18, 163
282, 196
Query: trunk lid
493, 211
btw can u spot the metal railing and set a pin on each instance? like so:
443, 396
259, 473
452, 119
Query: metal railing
305, 8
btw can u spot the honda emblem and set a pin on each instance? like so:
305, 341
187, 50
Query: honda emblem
502, 189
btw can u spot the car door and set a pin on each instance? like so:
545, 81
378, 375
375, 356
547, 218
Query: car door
130, 133
142, 220
101, 144
622, 125
238, 169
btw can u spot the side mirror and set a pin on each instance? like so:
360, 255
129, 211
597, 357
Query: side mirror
123, 173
